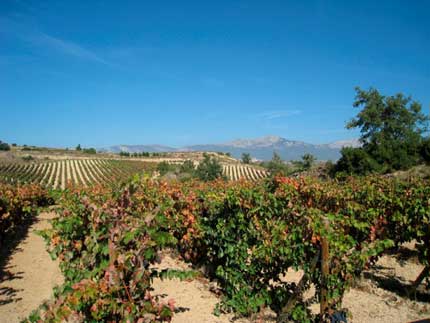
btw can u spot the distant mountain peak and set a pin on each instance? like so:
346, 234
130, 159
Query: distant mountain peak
261, 148
346, 143
271, 138
266, 141
138, 148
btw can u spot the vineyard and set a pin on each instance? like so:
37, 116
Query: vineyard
246, 235
18, 205
83, 172
235, 172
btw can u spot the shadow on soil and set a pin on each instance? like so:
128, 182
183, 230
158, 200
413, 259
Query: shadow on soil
405, 254
179, 309
9, 248
399, 287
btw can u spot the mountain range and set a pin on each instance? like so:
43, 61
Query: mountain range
259, 148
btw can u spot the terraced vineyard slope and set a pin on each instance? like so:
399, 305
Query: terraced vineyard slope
236, 172
84, 172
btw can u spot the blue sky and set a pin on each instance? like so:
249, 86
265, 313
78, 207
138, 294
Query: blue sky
186, 72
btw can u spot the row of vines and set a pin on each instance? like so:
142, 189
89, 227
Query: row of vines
85, 172
246, 235
19, 205
82, 172
236, 172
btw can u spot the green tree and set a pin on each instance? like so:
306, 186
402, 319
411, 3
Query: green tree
276, 165
391, 132
163, 167
308, 160
187, 167
209, 169
78, 147
4, 146
355, 161
246, 158
89, 151
425, 150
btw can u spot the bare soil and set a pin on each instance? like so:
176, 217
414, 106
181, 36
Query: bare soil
28, 275
373, 299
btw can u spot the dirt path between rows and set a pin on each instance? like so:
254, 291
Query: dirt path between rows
29, 274
367, 302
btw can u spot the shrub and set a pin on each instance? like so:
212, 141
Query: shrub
209, 169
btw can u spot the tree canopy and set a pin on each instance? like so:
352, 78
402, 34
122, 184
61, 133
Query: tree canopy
209, 169
246, 158
187, 167
308, 160
4, 146
391, 130
276, 165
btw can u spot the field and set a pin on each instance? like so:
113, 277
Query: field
276, 248
246, 236
88, 171
58, 173
235, 172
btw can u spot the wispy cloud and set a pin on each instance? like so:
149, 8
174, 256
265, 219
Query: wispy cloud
41, 40
65, 47
272, 115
